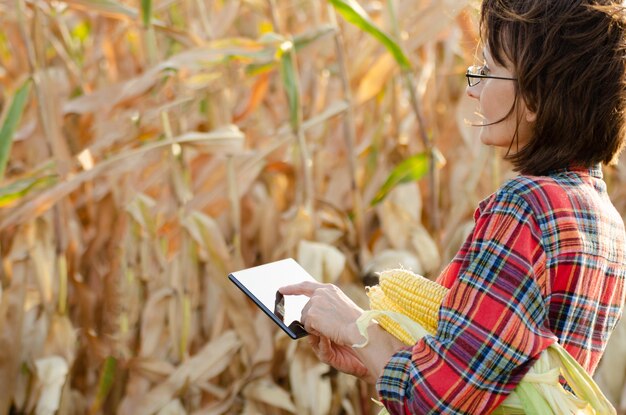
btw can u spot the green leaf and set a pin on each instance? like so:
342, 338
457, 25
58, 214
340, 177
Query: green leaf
7, 130
255, 69
354, 13
290, 82
107, 376
146, 12
413, 168
305, 39
20, 188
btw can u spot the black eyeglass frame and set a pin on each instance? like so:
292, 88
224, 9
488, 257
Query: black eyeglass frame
476, 77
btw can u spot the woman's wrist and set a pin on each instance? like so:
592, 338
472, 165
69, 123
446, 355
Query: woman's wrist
354, 336
380, 347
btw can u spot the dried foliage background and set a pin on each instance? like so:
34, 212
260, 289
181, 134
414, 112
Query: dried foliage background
162, 144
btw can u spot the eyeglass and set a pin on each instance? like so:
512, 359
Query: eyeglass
477, 72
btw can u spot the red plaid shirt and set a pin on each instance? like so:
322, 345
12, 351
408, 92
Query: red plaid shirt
545, 262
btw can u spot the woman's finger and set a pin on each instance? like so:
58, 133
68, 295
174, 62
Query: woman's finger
304, 318
313, 340
304, 288
324, 346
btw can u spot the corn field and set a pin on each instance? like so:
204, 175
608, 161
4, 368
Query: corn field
149, 148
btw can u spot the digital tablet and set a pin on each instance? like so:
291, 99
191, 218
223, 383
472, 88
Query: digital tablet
261, 284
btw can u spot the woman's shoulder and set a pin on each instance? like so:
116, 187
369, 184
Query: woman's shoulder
525, 188
573, 190
536, 194
529, 187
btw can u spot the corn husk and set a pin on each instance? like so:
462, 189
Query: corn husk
540, 391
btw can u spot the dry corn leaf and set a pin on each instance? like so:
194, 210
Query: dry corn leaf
339, 188
153, 321
376, 78
223, 406
35, 330
257, 94
252, 207
151, 368
250, 407
264, 333
51, 373
296, 229
332, 110
390, 259
426, 249
213, 317
72, 401
52, 89
61, 340
175, 311
429, 21
188, 60
268, 231
266, 391
324, 262
42, 255
173, 408
210, 361
346, 405
206, 232
122, 163
311, 387
11, 321
222, 20
141, 209
108, 7
247, 170
225, 140
398, 213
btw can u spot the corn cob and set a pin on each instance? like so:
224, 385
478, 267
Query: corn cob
416, 296
402, 294
378, 301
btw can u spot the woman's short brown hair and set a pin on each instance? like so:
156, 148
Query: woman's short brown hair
569, 59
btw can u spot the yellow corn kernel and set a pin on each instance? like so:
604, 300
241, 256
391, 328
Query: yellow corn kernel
416, 296
378, 301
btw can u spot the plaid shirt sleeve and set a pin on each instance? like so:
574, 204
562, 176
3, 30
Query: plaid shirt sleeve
493, 322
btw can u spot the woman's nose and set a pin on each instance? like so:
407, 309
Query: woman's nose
473, 91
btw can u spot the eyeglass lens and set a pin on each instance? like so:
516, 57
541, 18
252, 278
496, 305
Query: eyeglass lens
471, 71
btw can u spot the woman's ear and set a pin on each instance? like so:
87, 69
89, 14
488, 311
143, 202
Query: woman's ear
530, 116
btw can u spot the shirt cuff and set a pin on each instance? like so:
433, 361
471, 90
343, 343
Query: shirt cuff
392, 385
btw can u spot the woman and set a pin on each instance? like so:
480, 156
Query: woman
546, 259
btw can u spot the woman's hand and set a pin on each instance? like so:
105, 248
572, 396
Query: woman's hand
342, 358
330, 319
329, 312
